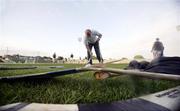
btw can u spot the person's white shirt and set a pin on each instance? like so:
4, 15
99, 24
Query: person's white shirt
94, 37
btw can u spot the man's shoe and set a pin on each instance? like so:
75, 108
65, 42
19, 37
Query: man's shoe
102, 61
87, 65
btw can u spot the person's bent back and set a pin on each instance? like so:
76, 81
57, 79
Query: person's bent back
157, 49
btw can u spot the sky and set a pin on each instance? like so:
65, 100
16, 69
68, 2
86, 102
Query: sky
129, 27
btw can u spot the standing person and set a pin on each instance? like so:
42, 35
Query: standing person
91, 39
157, 49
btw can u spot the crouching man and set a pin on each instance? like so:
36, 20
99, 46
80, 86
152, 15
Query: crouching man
91, 39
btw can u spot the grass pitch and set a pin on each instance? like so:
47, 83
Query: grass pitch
75, 88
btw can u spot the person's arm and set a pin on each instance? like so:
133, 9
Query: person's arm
88, 49
162, 46
87, 46
97, 34
153, 47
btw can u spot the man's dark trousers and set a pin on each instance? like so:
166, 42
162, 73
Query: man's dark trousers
97, 51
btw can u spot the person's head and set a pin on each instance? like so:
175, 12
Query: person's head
157, 39
88, 32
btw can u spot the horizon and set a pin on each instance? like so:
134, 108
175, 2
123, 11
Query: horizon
129, 28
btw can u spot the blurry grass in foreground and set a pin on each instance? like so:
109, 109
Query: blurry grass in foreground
78, 88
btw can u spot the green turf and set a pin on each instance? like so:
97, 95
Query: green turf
78, 88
